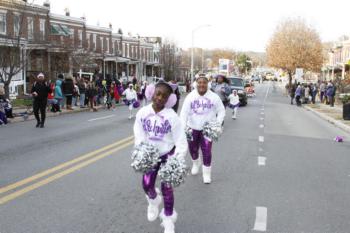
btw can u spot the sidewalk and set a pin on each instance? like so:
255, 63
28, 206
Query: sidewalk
51, 114
333, 115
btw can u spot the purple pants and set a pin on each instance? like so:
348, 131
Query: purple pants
204, 144
149, 181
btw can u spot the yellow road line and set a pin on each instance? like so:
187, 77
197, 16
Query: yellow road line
48, 180
61, 166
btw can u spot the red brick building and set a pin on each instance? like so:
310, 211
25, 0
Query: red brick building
54, 44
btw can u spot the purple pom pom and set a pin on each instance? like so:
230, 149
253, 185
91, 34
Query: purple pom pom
136, 104
171, 101
149, 92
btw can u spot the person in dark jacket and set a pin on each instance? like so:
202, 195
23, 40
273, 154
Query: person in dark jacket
292, 90
91, 93
82, 91
68, 90
40, 91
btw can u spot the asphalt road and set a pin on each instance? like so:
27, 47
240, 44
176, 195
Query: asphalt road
275, 169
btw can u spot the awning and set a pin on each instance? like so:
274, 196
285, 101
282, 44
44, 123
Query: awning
66, 30
57, 30
117, 59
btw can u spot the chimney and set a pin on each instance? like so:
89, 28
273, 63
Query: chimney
110, 26
67, 11
47, 4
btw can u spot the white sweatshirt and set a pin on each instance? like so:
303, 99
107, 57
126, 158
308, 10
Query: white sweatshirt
163, 130
197, 109
234, 100
130, 94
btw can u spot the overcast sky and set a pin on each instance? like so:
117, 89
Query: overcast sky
242, 25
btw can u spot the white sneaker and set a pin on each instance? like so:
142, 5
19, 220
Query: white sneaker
129, 117
195, 166
153, 207
206, 174
168, 222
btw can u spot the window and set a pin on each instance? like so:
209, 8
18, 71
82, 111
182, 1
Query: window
30, 28
71, 36
80, 35
128, 50
124, 48
102, 47
16, 22
94, 41
2, 22
107, 45
113, 46
88, 41
42, 29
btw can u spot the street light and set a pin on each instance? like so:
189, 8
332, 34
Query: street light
193, 31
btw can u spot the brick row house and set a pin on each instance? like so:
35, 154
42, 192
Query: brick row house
338, 59
54, 44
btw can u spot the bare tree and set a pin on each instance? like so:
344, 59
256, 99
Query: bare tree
171, 59
295, 45
13, 51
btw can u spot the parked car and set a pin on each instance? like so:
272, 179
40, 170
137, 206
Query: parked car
238, 83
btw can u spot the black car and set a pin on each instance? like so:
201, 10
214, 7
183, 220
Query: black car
237, 83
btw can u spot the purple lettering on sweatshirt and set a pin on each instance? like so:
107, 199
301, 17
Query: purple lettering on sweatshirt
201, 105
156, 126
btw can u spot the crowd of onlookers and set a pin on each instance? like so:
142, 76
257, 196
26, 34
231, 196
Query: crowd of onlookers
306, 93
71, 92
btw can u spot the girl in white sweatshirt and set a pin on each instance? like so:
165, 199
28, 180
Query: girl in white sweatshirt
234, 103
131, 97
201, 106
160, 126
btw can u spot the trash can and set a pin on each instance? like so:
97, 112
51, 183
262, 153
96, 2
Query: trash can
346, 111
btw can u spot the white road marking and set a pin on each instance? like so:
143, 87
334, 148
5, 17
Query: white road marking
262, 113
261, 139
261, 126
267, 92
261, 118
261, 161
261, 149
260, 219
101, 118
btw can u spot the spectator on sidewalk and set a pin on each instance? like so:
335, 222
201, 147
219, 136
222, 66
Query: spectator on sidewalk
91, 93
40, 91
292, 90
306, 94
51, 101
113, 96
75, 95
58, 92
61, 78
322, 91
313, 93
298, 95
68, 89
329, 93
82, 92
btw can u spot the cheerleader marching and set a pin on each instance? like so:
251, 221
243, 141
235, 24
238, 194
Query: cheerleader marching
162, 139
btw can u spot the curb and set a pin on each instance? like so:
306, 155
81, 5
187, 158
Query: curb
331, 120
50, 114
